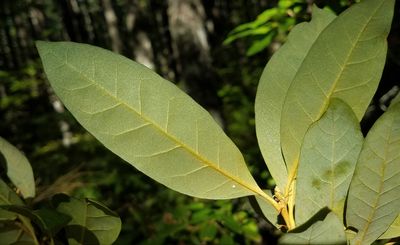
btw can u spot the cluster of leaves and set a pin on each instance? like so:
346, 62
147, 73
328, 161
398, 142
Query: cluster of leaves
308, 109
65, 219
267, 26
274, 23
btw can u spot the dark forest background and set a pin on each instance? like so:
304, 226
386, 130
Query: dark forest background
189, 42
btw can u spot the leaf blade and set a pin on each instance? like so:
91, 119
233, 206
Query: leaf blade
374, 194
326, 231
328, 157
19, 169
352, 66
91, 222
124, 104
274, 83
8, 197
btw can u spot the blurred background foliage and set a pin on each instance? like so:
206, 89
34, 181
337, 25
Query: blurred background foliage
213, 49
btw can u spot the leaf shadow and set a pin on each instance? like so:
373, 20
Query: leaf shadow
81, 234
319, 216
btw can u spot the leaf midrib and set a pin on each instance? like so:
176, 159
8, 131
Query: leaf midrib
171, 137
349, 54
383, 170
330, 92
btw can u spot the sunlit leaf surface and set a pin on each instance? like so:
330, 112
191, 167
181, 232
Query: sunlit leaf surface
328, 157
346, 62
374, 195
327, 231
147, 121
19, 169
273, 86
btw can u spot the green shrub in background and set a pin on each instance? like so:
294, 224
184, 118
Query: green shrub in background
66, 219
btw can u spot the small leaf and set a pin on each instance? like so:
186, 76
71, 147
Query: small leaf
265, 209
92, 222
345, 62
19, 169
11, 233
259, 45
273, 86
208, 232
374, 195
327, 231
49, 221
147, 121
8, 197
393, 231
328, 157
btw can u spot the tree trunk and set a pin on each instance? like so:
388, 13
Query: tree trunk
112, 26
190, 44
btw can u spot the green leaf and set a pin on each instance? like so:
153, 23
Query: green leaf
328, 157
374, 195
19, 169
261, 30
265, 209
208, 232
393, 231
327, 231
8, 197
49, 221
92, 222
11, 233
259, 45
346, 62
147, 121
395, 100
273, 86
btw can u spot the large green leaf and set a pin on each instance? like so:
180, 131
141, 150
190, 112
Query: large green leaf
374, 195
327, 231
91, 223
393, 231
345, 62
328, 157
273, 86
147, 121
19, 169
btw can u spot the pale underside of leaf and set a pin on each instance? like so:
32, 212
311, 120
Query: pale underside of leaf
19, 170
328, 157
147, 121
374, 194
327, 231
268, 211
273, 86
345, 62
